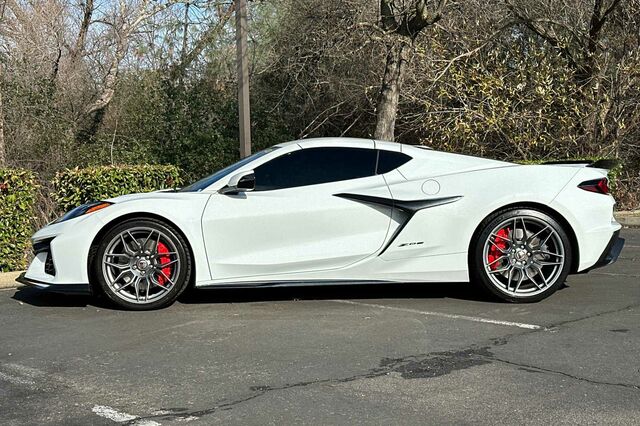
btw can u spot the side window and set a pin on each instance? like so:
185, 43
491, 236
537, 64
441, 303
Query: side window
312, 166
390, 160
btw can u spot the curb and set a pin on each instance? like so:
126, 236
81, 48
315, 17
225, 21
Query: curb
8, 279
628, 219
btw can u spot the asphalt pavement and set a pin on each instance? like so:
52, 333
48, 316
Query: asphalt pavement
385, 354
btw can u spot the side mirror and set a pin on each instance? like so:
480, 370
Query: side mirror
241, 182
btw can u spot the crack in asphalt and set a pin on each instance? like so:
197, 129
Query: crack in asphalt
586, 317
536, 369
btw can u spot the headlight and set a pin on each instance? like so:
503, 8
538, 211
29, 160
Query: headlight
91, 207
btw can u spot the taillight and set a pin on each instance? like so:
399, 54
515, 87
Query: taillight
601, 186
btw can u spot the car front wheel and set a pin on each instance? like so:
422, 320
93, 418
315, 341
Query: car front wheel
142, 264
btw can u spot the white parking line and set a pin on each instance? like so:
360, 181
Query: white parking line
445, 315
112, 414
120, 417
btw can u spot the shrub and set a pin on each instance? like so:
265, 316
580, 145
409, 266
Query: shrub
18, 189
73, 187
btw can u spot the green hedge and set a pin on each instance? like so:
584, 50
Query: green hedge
73, 187
18, 189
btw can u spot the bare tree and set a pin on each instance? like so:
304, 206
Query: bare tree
572, 28
187, 57
401, 22
126, 22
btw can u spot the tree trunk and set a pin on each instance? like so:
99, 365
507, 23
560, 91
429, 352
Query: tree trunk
3, 159
78, 49
398, 52
94, 113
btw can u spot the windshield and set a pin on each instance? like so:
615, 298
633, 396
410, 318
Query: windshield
211, 179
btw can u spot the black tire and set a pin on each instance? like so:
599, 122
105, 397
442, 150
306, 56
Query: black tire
164, 297
518, 259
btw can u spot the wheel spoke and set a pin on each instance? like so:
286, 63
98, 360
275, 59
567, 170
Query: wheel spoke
120, 275
126, 246
500, 236
160, 285
544, 280
148, 238
509, 278
515, 290
118, 255
495, 244
513, 231
134, 240
166, 277
543, 263
157, 244
122, 287
146, 296
545, 240
524, 229
489, 264
116, 265
136, 283
531, 238
164, 265
497, 271
532, 280
549, 253
169, 253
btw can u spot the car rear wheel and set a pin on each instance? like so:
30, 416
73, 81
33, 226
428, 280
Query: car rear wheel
521, 255
142, 264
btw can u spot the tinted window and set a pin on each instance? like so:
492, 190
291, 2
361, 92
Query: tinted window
389, 160
210, 180
312, 166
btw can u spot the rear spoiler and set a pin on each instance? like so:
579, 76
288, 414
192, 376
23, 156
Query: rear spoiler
604, 163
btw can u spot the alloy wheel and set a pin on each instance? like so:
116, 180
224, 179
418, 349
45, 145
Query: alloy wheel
141, 265
523, 256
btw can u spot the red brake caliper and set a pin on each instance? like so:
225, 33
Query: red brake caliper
162, 248
500, 243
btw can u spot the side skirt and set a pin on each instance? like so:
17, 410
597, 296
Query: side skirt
295, 283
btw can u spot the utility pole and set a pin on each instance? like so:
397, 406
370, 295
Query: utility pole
243, 78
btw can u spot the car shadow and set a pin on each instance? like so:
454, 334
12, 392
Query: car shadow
40, 298
461, 291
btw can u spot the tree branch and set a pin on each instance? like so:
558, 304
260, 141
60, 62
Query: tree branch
78, 49
209, 36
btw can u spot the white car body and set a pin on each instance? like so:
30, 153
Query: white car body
334, 232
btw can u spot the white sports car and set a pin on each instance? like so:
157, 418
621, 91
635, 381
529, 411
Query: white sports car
338, 211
